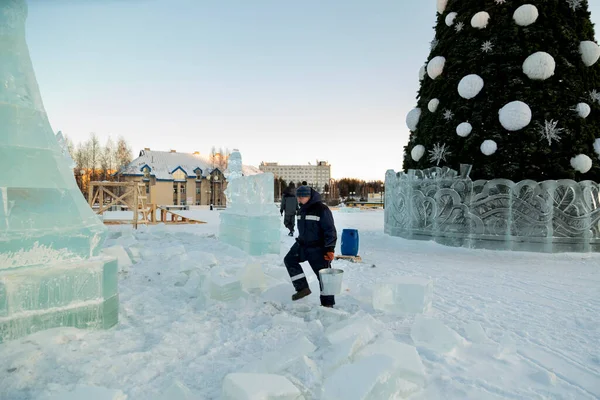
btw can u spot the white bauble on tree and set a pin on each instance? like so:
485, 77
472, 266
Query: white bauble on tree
526, 15
412, 118
480, 20
470, 86
433, 105
435, 67
515, 115
450, 18
464, 129
590, 52
583, 110
422, 73
597, 146
488, 147
441, 6
417, 152
581, 163
539, 66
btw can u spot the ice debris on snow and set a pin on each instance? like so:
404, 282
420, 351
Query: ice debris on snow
177, 391
123, 259
474, 332
224, 284
403, 295
277, 361
407, 358
362, 325
373, 377
85, 392
248, 386
253, 278
434, 335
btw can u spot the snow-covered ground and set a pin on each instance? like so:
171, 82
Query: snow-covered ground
539, 314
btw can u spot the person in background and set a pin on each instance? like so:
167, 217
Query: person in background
315, 243
304, 183
289, 206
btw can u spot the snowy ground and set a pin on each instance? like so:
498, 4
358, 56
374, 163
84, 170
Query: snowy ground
539, 314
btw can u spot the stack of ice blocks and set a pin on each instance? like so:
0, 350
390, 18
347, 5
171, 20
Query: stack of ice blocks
50, 274
251, 221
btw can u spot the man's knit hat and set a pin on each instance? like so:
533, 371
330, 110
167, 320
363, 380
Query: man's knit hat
303, 191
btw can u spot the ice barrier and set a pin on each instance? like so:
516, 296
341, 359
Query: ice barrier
47, 231
442, 205
251, 221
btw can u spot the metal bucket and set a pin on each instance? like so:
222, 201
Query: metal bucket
331, 281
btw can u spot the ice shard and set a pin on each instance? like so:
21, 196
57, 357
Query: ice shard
251, 221
50, 239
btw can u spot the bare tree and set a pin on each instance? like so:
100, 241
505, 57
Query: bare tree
108, 159
123, 153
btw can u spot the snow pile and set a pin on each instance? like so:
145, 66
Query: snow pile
450, 18
174, 341
480, 20
581, 163
590, 52
515, 115
433, 104
526, 15
435, 67
412, 118
539, 66
488, 147
464, 129
417, 152
470, 86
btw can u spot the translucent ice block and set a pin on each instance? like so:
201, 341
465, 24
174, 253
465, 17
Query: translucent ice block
82, 294
373, 377
224, 285
43, 216
404, 295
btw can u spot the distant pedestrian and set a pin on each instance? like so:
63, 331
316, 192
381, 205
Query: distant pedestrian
289, 206
304, 183
315, 243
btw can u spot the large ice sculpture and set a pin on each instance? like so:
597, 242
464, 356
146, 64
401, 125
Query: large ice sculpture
447, 206
251, 221
48, 233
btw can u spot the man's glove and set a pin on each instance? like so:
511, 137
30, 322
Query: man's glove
282, 213
329, 256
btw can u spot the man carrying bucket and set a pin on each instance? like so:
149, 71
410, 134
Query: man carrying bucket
315, 243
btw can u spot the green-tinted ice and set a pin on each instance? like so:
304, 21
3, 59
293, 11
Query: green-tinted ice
49, 237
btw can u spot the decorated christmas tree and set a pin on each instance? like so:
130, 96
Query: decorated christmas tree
512, 88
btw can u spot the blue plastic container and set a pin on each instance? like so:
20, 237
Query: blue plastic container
350, 242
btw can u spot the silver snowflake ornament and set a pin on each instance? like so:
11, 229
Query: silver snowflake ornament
433, 44
595, 96
459, 26
487, 46
550, 131
500, 2
448, 115
574, 4
439, 153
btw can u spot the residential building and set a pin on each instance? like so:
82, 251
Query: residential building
317, 175
179, 179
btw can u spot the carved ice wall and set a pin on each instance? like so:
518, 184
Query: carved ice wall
443, 205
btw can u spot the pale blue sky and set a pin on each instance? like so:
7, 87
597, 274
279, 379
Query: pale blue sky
282, 80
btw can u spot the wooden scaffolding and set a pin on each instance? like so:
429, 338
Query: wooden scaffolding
132, 195
110, 195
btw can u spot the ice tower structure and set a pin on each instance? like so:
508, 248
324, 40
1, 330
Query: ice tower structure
51, 273
251, 221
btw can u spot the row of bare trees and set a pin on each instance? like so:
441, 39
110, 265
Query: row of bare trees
97, 162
